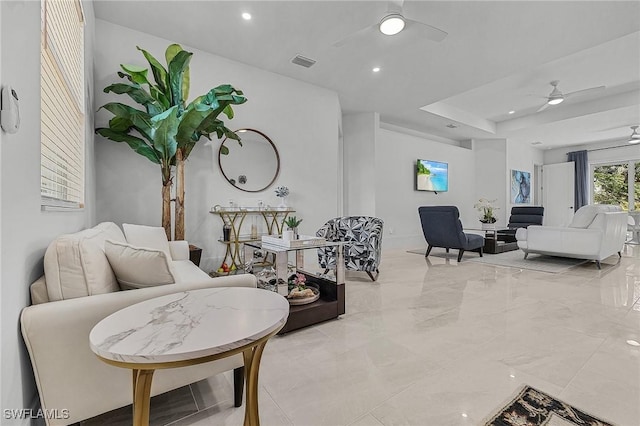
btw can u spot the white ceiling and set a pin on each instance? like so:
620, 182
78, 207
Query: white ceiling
498, 56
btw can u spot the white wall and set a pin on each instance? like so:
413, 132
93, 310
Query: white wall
301, 119
397, 201
360, 131
491, 176
1, 143
25, 230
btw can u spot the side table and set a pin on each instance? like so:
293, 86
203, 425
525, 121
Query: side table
183, 329
331, 303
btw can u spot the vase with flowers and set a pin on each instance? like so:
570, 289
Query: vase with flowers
282, 192
487, 213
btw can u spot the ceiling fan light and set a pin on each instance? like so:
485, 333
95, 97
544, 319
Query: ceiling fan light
392, 24
555, 101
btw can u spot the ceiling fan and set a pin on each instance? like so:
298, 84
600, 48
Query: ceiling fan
557, 97
635, 136
393, 22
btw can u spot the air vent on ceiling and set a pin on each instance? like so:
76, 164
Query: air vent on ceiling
536, 143
452, 126
303, 61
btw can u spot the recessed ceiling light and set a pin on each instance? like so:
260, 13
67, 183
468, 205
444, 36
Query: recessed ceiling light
555, 101
513, 376
512, 112
392, 24
465, 415
246, 16
376, 69
633, 343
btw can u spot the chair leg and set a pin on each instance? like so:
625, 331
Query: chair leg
526, 254
326, 271
620, 254
480, 251
598, 264
460, 253
371, 275
428, 250
238, 386
447, 249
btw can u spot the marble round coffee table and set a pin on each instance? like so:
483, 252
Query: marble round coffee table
190, 328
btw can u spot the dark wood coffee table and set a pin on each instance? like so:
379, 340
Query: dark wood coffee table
494, 241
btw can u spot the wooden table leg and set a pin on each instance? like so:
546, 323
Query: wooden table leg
141, 396
252, 358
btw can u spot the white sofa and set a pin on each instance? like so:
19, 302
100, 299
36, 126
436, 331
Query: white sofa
78, 290
595, 233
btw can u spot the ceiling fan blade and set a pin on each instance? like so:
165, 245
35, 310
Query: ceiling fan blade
543, 107
585, 91
623, 126
355, 36
426, 31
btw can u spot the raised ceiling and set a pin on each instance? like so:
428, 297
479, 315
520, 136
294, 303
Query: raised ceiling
498, 56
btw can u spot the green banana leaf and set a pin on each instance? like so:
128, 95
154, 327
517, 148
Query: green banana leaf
140, 119
164, 129
136, 73
120, 124
159, 72
137, 144
171, 53
177, 67
138, 94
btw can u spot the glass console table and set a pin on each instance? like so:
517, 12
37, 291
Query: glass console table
236, 217
331, 303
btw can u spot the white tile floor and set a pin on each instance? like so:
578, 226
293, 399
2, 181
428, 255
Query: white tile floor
434, 342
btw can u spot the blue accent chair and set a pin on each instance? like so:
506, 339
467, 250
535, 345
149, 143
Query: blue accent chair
442, 228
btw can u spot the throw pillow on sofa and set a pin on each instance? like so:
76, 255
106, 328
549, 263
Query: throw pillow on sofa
138, 267
153, 237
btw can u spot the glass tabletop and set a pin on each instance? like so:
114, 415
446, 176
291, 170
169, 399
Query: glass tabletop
276, 249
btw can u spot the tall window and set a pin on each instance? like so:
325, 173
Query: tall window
62, 103
617, 184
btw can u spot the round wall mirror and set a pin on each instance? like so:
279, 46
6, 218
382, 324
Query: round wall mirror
252, 167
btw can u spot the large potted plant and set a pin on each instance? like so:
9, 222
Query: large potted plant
168, 128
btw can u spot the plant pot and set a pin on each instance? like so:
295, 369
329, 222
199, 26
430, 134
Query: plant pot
488, 226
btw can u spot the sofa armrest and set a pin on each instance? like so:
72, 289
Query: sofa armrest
179, 250
67, 373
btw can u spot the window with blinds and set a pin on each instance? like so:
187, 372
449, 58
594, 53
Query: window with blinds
62, 104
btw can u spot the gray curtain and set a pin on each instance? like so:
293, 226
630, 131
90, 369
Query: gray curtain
580, 162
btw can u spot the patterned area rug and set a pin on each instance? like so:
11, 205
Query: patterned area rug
531, 407
513, 259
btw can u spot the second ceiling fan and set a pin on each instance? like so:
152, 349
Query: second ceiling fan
557, 97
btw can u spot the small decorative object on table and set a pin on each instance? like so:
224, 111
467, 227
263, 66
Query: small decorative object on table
292, 223
282, 192
486, 208
299, 292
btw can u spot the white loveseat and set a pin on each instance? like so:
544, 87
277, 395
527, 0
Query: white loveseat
78, 290
595, 233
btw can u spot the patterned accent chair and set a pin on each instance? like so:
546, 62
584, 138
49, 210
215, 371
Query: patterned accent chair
363, 235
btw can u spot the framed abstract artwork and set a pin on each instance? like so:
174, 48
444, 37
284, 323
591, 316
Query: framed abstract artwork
520, 187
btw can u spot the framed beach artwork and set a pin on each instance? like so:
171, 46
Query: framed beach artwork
520, 187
